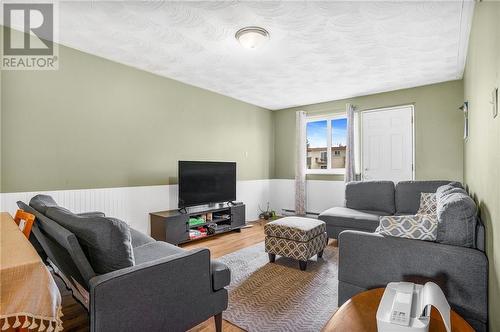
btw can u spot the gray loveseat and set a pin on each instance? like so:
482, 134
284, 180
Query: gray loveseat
369, 260
162, 287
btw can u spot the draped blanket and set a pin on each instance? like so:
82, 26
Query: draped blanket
29, 297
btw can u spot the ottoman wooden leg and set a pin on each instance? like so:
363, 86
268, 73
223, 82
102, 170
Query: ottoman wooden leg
303, 265
272, 257
320, 254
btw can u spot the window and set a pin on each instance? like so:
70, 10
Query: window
326, 144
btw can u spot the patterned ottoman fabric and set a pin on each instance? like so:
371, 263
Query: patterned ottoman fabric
301, 251
295, 228
295, 237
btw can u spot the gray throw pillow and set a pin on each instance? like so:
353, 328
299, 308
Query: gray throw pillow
418, 227
456, 212
456, 184
42, 202
106, 241
449, 188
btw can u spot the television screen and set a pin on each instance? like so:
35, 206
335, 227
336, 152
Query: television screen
205, 182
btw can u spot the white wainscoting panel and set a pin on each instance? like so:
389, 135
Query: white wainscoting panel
320, 195
282, 194
133, 204
255, 194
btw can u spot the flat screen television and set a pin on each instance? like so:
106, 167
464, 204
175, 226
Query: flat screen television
206, 182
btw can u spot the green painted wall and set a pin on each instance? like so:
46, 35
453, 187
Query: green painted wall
482, 149
96, 123
438, 129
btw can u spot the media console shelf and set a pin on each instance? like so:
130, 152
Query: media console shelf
173, 226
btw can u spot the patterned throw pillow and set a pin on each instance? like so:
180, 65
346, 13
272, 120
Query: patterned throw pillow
428, 204
420, 226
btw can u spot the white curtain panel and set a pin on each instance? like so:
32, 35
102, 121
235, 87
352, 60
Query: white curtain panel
301, 163
357, 144
350, 167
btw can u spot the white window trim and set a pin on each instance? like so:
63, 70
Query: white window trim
328, 118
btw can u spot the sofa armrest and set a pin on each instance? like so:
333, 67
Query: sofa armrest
221, 275
173, 293
91, 214
370, 260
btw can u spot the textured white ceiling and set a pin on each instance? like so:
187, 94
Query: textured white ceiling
318, 51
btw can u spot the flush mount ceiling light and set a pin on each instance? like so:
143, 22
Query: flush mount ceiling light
252, 37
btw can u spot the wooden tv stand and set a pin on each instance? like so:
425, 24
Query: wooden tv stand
173, 226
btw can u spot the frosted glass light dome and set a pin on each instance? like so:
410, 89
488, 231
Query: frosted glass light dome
252, 37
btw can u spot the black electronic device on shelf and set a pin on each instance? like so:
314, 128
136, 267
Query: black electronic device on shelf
174, 227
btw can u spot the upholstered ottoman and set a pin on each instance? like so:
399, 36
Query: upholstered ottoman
295, 237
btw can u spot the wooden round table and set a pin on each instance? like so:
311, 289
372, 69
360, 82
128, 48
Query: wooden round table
359, 315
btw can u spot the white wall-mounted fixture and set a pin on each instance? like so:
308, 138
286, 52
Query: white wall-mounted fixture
494, 102
252, 37
465, 108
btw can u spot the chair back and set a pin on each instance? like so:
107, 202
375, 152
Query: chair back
25, 222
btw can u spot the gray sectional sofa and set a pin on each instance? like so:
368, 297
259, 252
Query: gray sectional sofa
133, 282
455, 261
366, 201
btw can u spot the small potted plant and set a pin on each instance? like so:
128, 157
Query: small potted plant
267, 214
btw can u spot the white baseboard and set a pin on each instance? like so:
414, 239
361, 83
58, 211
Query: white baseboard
133, 204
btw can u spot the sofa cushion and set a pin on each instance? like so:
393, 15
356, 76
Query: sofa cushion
370, 195
155, 250
42, 202
408, 194
139, 238
221, 275
457, 213
352, 219
295, 228
106, 241
418, 227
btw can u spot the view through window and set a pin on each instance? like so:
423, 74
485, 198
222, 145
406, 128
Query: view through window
326, 143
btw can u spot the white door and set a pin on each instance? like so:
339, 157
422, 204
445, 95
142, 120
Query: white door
387, 144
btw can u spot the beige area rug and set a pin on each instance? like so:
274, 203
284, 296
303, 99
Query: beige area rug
278, 296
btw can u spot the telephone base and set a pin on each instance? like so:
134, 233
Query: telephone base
405, 307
